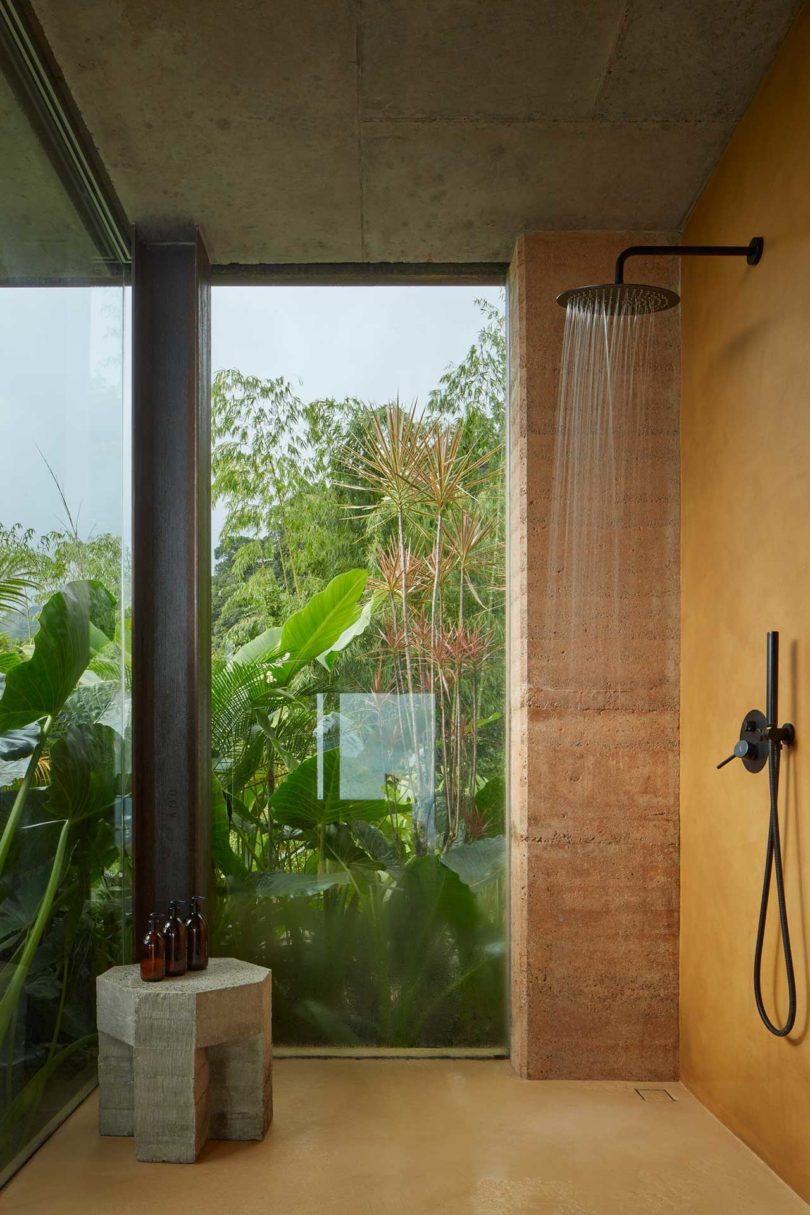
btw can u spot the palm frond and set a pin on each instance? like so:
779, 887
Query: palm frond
16, 584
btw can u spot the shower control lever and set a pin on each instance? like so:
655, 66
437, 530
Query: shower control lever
742, 750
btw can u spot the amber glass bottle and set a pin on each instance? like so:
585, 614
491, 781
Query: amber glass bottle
174, 934
153, 955
196, 936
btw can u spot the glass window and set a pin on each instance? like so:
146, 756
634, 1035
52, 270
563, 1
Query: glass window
358, 707
64, 678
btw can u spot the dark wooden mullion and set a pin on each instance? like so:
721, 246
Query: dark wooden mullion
171, 656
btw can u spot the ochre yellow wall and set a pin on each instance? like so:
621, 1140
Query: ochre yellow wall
745, 569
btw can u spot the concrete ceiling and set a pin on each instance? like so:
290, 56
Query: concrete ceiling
409, 130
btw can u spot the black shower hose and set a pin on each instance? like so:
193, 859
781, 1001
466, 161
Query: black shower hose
773, 862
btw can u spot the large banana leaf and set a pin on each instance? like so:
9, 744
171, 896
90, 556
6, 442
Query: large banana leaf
329, 657
262, 647
296, 802
319, 624
39, 687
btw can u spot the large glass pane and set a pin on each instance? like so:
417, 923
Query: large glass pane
358, 724
63, 626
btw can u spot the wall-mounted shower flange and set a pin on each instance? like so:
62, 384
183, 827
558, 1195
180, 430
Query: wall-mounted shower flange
755, 248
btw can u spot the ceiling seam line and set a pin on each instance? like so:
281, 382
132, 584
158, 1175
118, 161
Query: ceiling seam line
358, 92
621, 34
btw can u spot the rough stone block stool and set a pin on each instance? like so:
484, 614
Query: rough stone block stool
185, 1059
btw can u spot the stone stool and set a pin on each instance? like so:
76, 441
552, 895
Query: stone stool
185, 1059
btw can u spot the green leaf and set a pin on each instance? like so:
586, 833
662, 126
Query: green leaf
85, 772
482, 722
320, 624
39, 687
262, 647
224, 857
296, 802
29, 1096
15, 583
24, 890
8, 659
11, 995
376, 845
329, 657
281, 885
490, 800
429, 898
19, 744
331, 1027
479, 862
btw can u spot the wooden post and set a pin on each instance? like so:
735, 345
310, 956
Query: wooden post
171, 655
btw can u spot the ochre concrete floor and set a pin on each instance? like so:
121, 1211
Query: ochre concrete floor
413, 1137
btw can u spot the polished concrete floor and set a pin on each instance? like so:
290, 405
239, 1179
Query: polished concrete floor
413, 1137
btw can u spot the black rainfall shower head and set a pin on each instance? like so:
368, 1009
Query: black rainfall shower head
620, 299
639, 299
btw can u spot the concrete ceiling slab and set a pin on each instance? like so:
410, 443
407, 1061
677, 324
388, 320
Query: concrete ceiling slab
473, 59
240, 116
408, 130
691, 60
460, 187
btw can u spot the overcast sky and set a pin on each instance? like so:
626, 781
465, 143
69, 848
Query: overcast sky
62, 374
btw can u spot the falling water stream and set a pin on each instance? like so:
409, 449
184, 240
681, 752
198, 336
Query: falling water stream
604, 494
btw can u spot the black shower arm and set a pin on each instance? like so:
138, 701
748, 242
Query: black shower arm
752, 252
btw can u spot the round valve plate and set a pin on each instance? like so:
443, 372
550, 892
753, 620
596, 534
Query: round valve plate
751, 731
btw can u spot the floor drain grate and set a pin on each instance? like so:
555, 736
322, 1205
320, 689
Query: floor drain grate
654, 1094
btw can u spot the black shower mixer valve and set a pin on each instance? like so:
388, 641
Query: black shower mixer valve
756, 733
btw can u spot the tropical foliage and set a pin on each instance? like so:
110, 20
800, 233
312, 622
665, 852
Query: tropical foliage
358, 688
63, 797
358, 704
